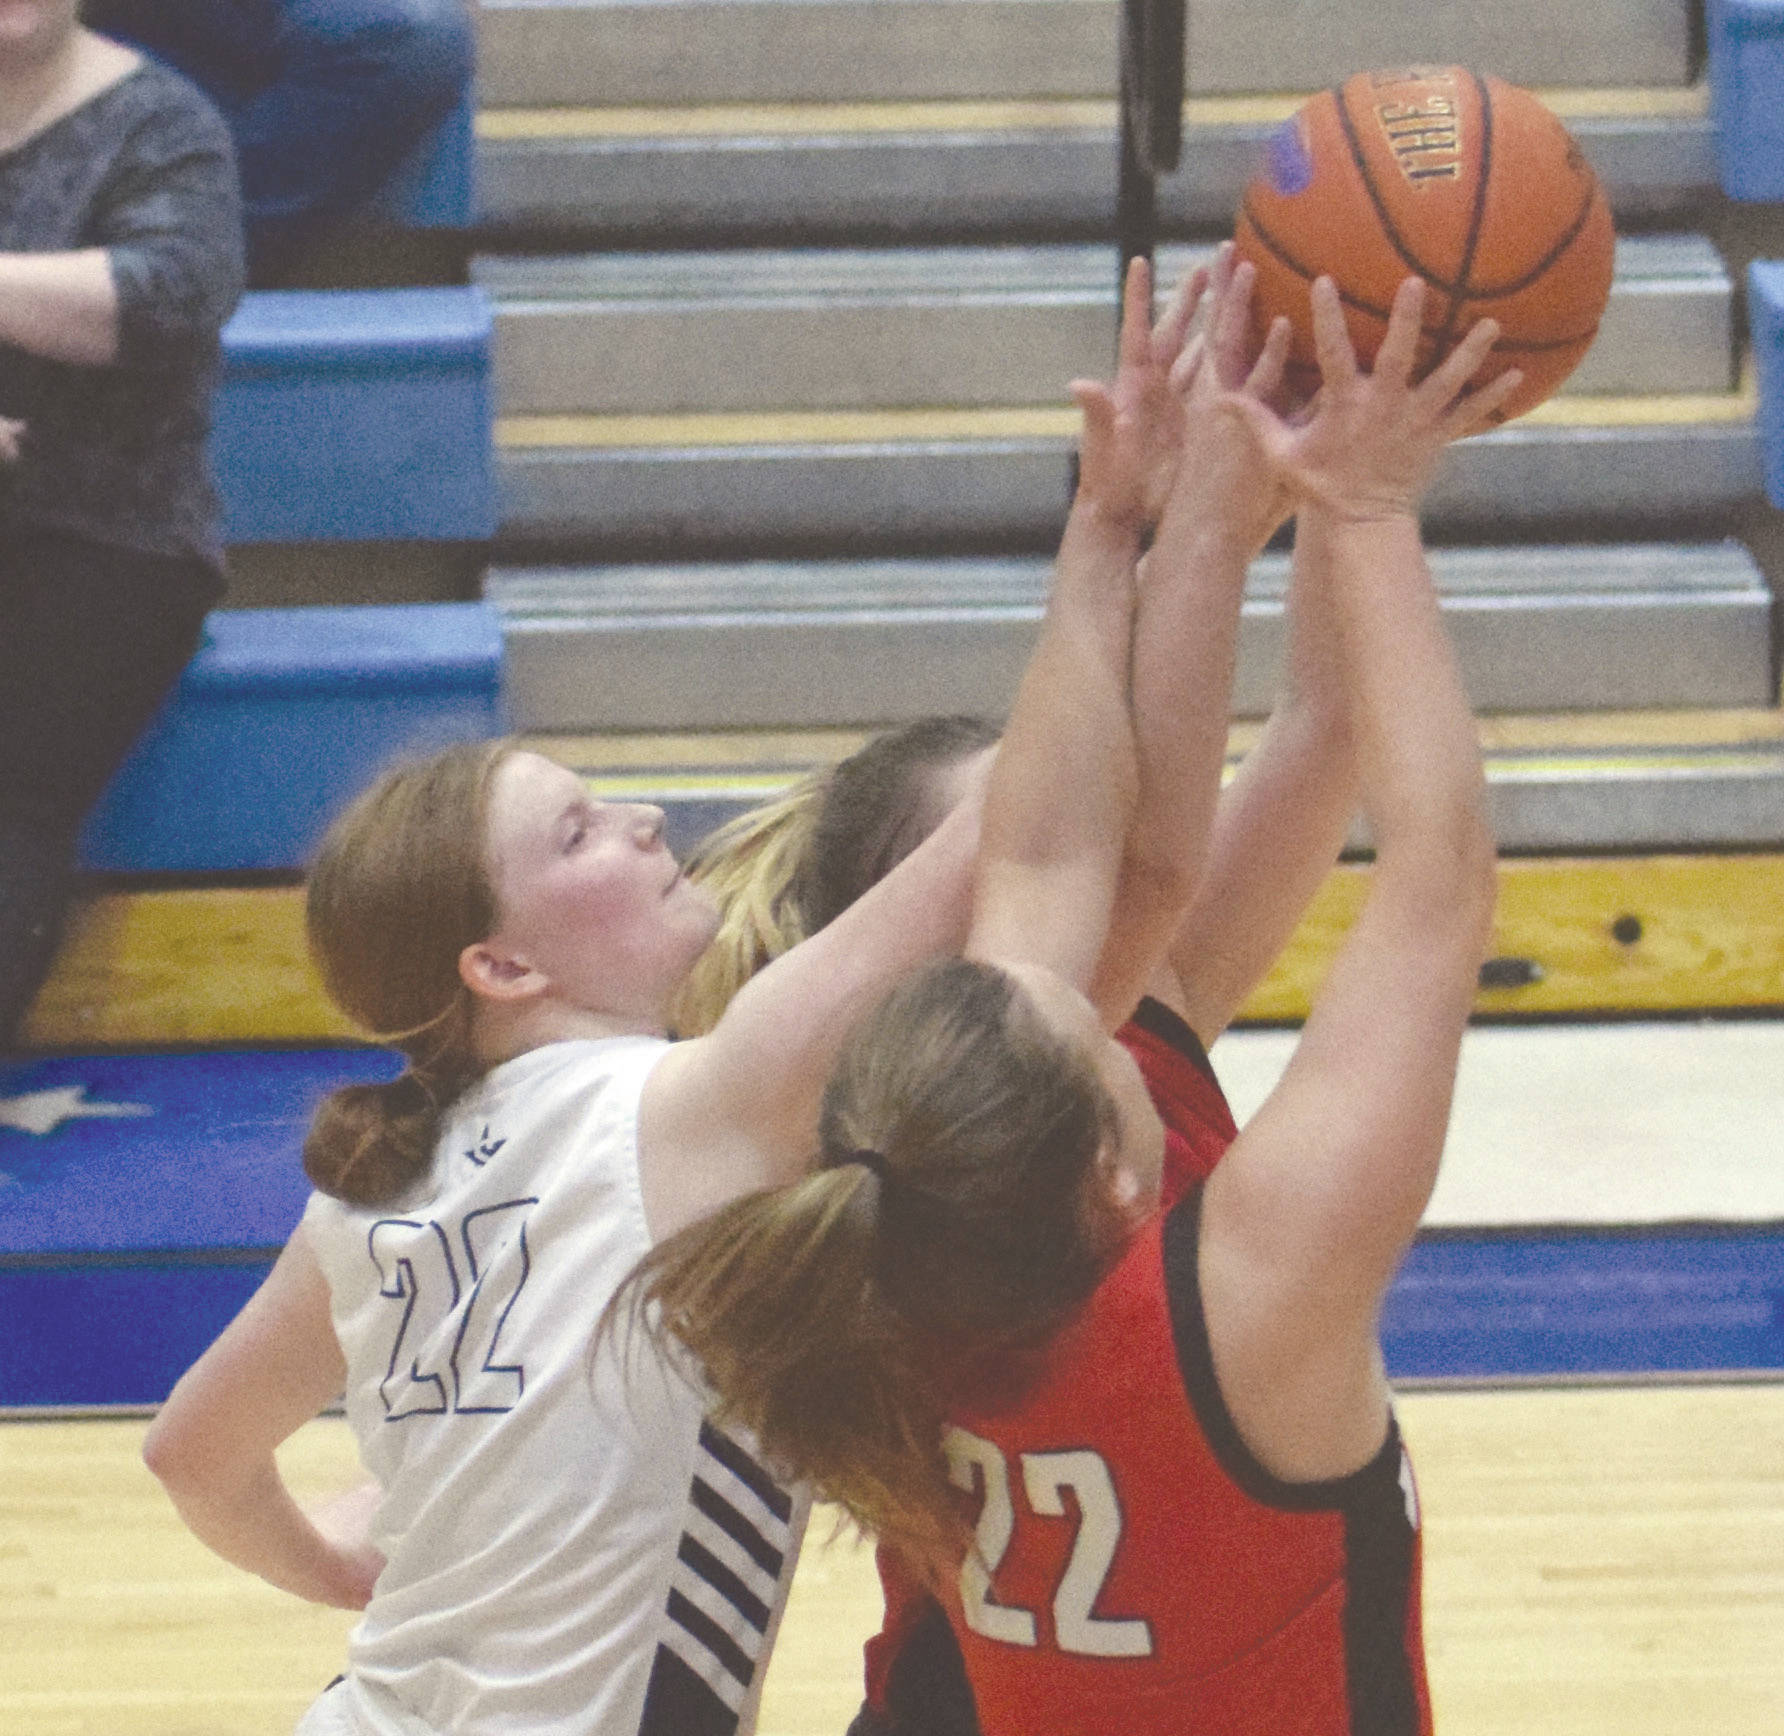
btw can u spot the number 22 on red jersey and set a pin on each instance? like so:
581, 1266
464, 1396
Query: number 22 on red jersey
1042, 1479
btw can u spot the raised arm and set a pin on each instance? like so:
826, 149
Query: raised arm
1307, 1218
1066, 778
1279, 825
737, 1109
1223, 506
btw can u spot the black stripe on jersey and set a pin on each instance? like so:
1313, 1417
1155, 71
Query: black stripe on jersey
1378, 1529
1378, 1547
747, 1471
717, 1616
741, 1532
1195, 1362
696, 1555
696, 1621
678, 1703
1169, 1027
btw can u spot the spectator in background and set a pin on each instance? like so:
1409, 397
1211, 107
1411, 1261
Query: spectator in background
120, 259
326, 98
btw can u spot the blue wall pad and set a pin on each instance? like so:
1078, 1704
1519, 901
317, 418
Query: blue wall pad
1765, 315
356, 415
147, 1210
1747, 94
282, 717
1510, 1305
436, 188
142, 1198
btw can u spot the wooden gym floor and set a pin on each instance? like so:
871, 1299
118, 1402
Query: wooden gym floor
1600, 1560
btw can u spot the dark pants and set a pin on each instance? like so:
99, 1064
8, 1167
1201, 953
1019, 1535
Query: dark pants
325, 98
91, 640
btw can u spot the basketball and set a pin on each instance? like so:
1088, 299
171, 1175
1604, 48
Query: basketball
1439, 172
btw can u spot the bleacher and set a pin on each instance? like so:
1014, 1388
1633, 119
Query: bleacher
748, 434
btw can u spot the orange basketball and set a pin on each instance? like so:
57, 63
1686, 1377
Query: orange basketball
1438, 172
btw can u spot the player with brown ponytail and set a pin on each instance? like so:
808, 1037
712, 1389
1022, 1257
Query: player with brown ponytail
1158, 1411
546, 1539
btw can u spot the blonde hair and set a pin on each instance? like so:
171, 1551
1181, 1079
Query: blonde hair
749, 866
399, 888
952, 1230
786, 870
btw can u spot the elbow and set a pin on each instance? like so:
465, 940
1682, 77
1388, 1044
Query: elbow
165, 1453
1160, 884
175, 1454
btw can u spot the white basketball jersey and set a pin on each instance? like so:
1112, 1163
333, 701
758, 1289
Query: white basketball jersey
572, 1546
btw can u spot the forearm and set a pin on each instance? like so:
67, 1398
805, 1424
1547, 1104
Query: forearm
1278, 830
1063, 785
247, 1515
1280, 825
1417, 747
60, 306
1185, 644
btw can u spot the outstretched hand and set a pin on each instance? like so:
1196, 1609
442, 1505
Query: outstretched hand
12, 440
1225, 489
1370, 443
1134, 426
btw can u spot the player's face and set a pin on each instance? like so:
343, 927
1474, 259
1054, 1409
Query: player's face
588, 893
1132, 1166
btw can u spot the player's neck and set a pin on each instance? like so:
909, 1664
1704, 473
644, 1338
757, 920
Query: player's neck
500, 1033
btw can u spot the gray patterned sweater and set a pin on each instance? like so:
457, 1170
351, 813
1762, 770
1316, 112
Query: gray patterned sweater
117, 454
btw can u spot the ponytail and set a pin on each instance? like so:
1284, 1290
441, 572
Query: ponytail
776, 1295
369, 1144
953, 1231
398, 890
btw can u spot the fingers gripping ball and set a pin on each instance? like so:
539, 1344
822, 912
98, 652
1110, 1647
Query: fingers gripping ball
1463, 180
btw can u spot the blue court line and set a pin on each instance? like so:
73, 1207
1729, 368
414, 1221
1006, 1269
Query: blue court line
128, 1240
1637, 1301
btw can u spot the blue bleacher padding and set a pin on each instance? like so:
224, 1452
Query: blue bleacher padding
281, 718
1765, 316
436, 188
1747, 93
356, 416
156, 1190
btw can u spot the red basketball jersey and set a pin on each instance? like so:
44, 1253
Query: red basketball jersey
1138, 1573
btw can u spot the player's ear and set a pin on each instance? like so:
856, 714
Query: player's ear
495, 972
1123, 1190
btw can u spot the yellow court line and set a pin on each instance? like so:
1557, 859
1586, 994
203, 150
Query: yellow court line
761, 781
1656, 731
1024, 422
786, 427
220, 965
1747, 761
716, 120
1510, 733
720, 785
1657, 410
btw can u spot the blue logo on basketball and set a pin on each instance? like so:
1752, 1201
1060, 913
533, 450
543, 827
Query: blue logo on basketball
1286, 159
